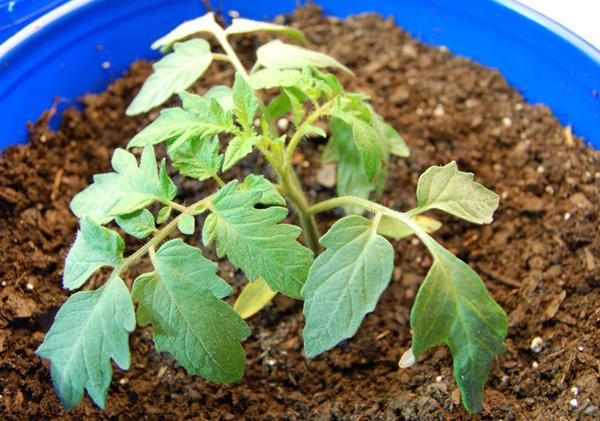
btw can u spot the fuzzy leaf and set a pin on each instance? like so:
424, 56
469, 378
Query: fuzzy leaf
181, 301
243, 26
255, 241
351, 178
345, 282
89, 330
186, 224
140, 223
199, 117
453, 191
163, 214
278, 55
199, 158
254, 297
275, 78
94, 247
222, 94
239, 147
172, 74
128, 189
270, 195
453, 307
245, 103
367, 141
205, 23
393, 228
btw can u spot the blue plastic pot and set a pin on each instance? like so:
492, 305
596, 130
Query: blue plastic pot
65, 49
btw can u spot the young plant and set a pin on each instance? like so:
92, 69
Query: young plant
183, 297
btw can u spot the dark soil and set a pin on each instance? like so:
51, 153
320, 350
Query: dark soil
540, 258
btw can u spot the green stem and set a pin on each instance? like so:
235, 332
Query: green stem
297, 137
158, 237
290, 187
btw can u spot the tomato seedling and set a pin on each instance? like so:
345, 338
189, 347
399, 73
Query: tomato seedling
182, 297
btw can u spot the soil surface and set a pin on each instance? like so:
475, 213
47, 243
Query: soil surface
540, 258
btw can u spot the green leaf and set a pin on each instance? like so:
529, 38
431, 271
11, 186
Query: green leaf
278, 55
270, 195
89, 330
172, 74
345, 282
453, 191
94, 247
351, 178
255, 241
181, 301
243, 26
453, 307
198, 158
140, 223
275, 78
222, 94
254, 297
238, 148
245, 103
366, 139
200, 117
163, 214
205, 23
186, 224
279, 106
393, 228
396, 144
128, 189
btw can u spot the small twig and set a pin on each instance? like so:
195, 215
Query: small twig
56, 185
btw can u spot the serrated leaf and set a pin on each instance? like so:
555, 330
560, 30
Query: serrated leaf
270, 195
181, 301
453, 191
255, 241
163, 214
128, 189
205, 23
345, 282
279, 55
199, 117
393, 228
245, 103
89, 330
453, 307
174, 73
94, 247
186, 224
238, 148
254, 297
140, 223
243, 26
199, 158
366, 139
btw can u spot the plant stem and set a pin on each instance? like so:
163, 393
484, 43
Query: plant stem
290, 185
160, 235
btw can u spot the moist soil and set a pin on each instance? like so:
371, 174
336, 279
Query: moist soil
540, 258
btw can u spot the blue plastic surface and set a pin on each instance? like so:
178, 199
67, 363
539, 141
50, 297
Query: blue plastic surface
81, 45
